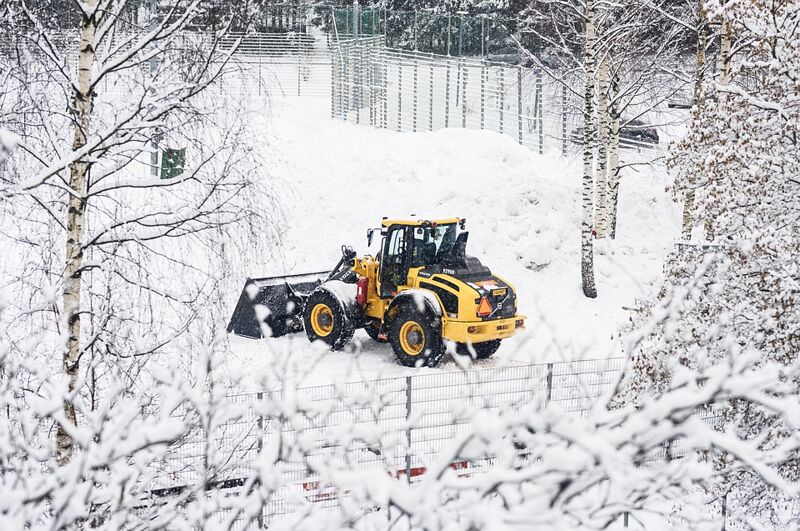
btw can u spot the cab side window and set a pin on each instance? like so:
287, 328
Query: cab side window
424, 247
392, 266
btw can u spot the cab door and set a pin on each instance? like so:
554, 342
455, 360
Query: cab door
394, 261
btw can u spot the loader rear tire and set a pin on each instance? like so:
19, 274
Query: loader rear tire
325, 319
416, 338
481, 350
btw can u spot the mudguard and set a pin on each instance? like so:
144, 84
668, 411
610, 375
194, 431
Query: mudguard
422, 298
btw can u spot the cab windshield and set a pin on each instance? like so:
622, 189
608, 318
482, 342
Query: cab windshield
433, 243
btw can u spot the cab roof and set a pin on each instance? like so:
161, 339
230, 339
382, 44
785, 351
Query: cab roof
416, 222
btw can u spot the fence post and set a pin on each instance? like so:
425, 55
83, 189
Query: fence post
458, 82
563, 120
370, 83
430, 96
385, 80
400, 94
447, 97
502, 83
625, 519
414, 110
343, 82
519, 104
260, 446
483, 94
359, 80
464, 100
539, 96
549, 382
408, 428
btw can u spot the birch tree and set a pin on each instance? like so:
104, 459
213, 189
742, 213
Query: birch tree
601, 178
636, 74
82, 175
613, 154
688, 206
644, 73
587, 193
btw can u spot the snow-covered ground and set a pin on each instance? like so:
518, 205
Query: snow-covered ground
522, 211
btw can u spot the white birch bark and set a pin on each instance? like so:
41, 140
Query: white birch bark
601, 179
76, 209
723, 77
724, 59
688, 205
613, 158
587, 251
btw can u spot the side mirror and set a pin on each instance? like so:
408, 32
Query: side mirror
370, 233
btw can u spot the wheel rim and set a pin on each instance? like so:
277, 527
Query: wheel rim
322, 320
412, 338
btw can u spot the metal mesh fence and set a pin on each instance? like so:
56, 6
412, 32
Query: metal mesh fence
410, 91
394, 427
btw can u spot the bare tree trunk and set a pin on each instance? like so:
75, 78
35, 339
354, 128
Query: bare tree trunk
688, 205
613, 157
587, 252
601, 179
724, 58
724, 72
76, 209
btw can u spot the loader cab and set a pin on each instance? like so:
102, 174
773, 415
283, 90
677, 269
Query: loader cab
414, 243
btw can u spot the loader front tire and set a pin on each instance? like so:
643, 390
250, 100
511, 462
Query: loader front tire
325, 319
416, 338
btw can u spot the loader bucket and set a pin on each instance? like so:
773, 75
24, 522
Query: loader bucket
274, 301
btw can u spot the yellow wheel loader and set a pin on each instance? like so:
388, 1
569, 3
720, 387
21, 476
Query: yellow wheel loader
421, 290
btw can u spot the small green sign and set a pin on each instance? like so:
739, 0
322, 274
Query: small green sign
172, 161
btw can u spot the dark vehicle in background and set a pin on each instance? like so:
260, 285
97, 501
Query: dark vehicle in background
634, 132
638, 131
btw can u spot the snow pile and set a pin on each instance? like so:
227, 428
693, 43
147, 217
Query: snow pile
522, 211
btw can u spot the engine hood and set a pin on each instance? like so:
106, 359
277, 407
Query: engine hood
469, 271
474, 278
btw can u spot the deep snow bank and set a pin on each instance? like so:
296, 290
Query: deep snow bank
522, 210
